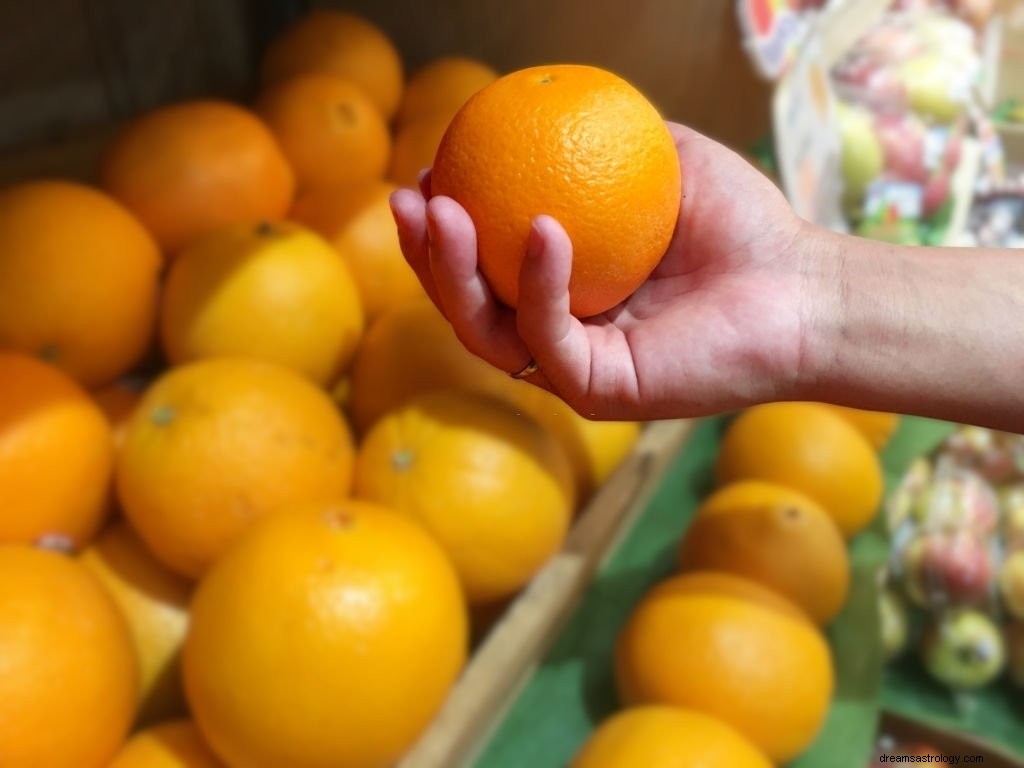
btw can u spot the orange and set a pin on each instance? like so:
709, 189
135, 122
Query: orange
442, 86
187, 168
56, 455
327, 636
329, 129
492, 487
416, 144
733, 649
78, 279
342, 44
666, 737
271, 291
877, 426
174, 744
810, 449
357, 221
154, 601
413, 349
773, 535
577, 143
218, 443
69, 671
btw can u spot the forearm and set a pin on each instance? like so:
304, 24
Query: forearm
935, 332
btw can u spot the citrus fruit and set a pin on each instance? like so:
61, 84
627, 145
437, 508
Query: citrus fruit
56, 455
56, 238
357, 221
172, 744
187, 168
328, 128
577, 143
343, 44
326, 636
415, 146
216, 444
441, 86
69, 670
271, 291
154, 602
877, 426
492, 487
666, 737
810, 449
773, 535
733, 649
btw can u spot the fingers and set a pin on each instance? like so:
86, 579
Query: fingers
485, 327
410, 212
558, 341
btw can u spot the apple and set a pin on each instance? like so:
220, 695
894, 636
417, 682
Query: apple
992, 454
948, 567
938, 189
894, 622
862, 156
964, 649
902, 138
958, 501
1011, 584
904, 498
1013, 528
935, 87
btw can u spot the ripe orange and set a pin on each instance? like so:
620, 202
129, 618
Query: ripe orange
188, 168
810, 449
270, 291
173, 744
327, 635
69, 670
666, 737
577, 143
56, 455
218, 443
492, 487
154, 601
442, 86
733, 649
776, 536
329, 129
877, 426
342, 44
78, 279
416, 144
357, 221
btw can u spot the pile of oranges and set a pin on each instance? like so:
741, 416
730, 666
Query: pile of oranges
254, 489
726, 662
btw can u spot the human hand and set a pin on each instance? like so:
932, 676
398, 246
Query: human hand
717, 325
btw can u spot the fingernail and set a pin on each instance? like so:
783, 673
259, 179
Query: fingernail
534, 243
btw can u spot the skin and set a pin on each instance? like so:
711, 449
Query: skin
749, 304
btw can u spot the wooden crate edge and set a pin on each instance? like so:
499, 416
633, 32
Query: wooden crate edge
515, 646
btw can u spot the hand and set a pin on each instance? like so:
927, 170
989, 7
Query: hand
717, 326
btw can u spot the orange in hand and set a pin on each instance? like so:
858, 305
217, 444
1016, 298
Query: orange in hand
577, 143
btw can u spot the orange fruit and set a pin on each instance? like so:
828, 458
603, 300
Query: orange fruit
56, 455
69, 671
442, 86
776, 536
666, 737
329, 129
154, 602
185, 169
733, 649
810, 449
271, 291
328, 635
218, 443
343, 44
577, 143
877, 426
78, 279
173, 744
492, 487
357, 221
415, 147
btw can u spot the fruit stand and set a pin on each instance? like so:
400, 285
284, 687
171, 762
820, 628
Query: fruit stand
287, 519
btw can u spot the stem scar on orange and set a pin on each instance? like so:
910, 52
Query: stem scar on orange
577, 143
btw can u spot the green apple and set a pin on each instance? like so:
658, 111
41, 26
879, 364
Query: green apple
964, 649
862, 155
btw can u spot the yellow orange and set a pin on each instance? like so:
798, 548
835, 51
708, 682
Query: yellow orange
442, 86
877, 426
172, 744
415, 147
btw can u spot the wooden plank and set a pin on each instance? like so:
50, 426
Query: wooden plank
517, 644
